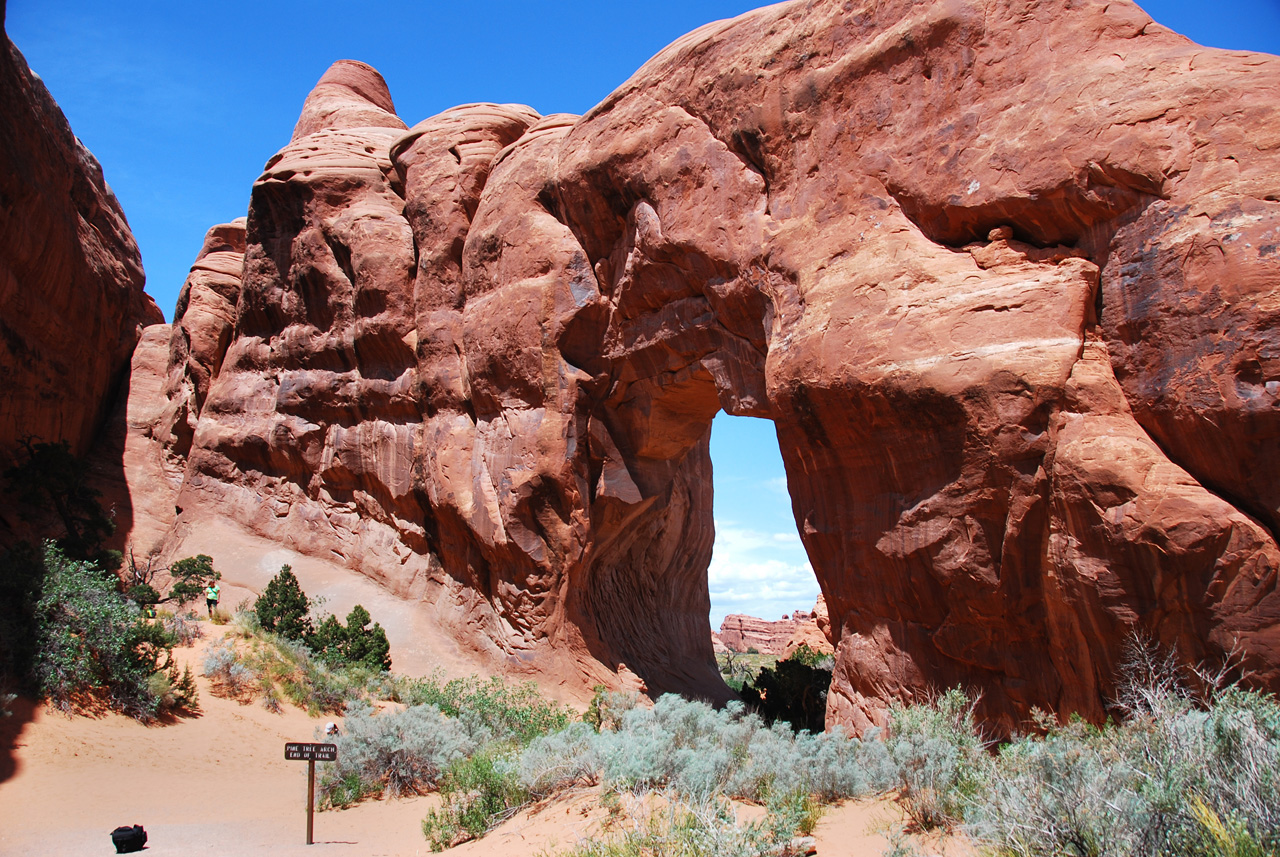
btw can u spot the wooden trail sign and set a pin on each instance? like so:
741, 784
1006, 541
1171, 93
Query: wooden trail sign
310, 753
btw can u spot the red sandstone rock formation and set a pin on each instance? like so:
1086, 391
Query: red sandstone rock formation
1005, 277
741, 633
813, 630
71, 299
66, 258
202, 324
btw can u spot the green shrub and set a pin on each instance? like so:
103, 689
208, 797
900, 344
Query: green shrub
499, 711
940, 757
283, 607
174, 691
392, 753
143, 594
50, 488
479, 793
353, 643
90, 640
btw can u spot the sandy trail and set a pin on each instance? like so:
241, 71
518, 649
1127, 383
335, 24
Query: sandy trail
218, 784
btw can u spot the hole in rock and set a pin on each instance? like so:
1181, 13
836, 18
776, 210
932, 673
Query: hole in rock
758, 564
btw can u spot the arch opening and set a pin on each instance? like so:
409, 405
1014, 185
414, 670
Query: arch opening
758, 564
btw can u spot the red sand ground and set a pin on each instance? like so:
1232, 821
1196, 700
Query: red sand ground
218, 783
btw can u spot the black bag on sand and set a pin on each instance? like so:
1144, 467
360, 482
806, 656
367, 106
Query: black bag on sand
127, 839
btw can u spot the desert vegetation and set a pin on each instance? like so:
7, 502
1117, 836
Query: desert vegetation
285, 610
68, 631
251, 664
1188, 766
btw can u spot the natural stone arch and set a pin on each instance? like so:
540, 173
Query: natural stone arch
865, 225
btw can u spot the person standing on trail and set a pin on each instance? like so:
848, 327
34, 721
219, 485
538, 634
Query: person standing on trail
211, 597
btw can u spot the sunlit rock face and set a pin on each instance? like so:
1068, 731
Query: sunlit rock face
1004, 276
742, 633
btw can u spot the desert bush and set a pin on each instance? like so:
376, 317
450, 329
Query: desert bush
1059, 792
1184, 773
479, 792
491, 710
91, 641
183, 627
229, 676
940, 757
283, 607
353, 643
560, 760
828, 765
607, 707
697, 751
309, 682
244, 622
676, 825
392, 753
273, 668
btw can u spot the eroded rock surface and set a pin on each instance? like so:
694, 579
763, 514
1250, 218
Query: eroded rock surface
1004, 276
742, 633
71, 299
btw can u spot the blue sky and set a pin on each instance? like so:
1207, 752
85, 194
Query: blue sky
184, 103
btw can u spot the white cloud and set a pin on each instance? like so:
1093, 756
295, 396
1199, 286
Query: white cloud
759, 573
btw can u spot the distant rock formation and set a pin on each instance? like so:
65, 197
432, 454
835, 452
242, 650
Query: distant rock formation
742, 633
71, 299
1005, 278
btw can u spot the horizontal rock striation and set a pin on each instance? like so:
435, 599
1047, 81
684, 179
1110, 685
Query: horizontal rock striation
1004, 276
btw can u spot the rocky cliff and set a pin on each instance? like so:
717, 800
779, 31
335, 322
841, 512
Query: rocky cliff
742, 633
71, 299
1005, 276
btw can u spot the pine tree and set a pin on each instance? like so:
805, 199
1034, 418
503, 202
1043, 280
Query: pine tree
283, 607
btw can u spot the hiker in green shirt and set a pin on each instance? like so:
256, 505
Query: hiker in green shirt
211, 597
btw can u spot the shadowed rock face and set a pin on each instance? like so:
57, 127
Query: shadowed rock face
71, 299
1003, 275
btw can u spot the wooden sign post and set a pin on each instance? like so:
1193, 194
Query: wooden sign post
312, 753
